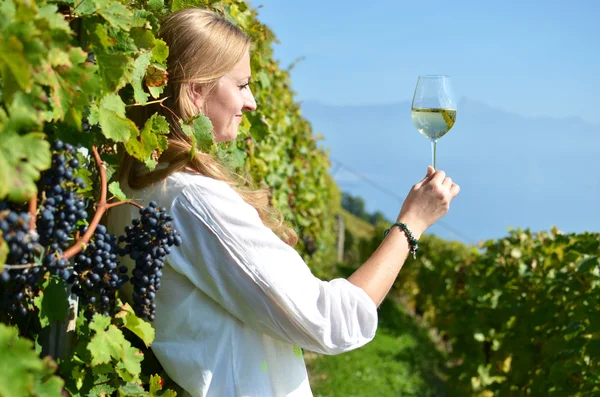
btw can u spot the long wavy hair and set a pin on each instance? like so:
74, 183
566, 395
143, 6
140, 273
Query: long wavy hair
203, 47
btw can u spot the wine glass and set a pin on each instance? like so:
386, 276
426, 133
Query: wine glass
433, 108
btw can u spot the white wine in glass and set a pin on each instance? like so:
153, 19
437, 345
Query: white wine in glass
433, 109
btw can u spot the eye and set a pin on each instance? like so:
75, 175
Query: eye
244, 86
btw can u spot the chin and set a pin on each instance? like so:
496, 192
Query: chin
226, 136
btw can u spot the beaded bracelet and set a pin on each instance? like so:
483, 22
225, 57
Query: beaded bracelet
412, 241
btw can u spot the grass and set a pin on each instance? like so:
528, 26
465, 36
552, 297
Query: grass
357, 226
401, 360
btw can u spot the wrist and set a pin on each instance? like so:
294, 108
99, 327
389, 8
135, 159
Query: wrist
414, 225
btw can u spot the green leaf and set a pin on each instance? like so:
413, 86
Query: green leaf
156, 5
133, 390
22, 157
151, 139
588, 264
139, 71
136, 325
132, 361
180, 4
230, 155
14, 64
115, 13
3, 251
160, 51
22, 372
115, 68
52, 302
143, 38
102, 390
156, 91
202, 131
112, 120
106, 345
115, 189
264, 79
56, 20
99, 323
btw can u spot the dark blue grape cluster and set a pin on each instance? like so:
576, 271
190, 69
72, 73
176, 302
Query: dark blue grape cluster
19, 286
97, 275
61, 207
148, 241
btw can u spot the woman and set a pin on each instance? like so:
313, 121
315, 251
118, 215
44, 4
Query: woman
237, 302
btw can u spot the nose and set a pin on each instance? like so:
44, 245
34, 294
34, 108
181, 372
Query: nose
249, 101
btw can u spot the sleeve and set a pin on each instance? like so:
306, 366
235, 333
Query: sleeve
230, 255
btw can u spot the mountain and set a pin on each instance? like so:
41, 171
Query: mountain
513, 171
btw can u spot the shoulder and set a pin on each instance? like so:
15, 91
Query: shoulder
199, 187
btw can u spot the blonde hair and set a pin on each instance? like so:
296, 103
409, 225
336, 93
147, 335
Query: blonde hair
203, 47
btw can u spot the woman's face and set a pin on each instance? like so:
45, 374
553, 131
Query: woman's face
228, 99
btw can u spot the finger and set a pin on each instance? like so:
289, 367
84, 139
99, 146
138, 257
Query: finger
438, 177
447, 183
430, 172
454, 189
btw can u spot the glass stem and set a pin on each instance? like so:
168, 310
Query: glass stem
433, 152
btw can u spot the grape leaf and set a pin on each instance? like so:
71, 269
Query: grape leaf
99, 323
230, 155
21, 160
115, 68
106, 345
85, 7
141, 64
588, 264
3, 251
101, 390
143, 38
131, 390
131, 361
156, 385
22, 372
160, 51
202, 131
52, 302
56, 20
156, 91
136, 325
114, 124
151, 139
156, 76
156, 5
115, 13
115, 189
180, 4
14, 64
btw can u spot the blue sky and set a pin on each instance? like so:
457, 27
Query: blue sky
535, 58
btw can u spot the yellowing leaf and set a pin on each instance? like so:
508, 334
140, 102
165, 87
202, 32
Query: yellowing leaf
114, 124
136, 325
15, 66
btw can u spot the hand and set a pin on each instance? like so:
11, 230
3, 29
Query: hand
428, 201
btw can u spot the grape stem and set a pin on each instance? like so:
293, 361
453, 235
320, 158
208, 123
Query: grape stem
101, 208
32, 212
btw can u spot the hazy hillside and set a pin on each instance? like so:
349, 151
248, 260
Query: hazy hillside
513, 171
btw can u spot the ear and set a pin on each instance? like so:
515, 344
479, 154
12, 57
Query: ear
195, 94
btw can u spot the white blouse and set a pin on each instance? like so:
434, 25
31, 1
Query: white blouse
236, 303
